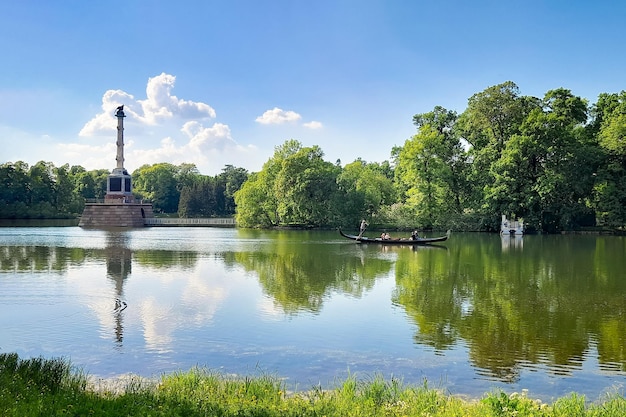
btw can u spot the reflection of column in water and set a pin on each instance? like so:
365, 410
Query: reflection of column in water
119, 261
119, 327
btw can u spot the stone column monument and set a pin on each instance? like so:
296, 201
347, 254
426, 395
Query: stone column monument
119, 208
120, 137
119, 183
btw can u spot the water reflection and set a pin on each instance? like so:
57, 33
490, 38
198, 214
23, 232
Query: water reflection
552, 306
25, 258
109, 303
299, 277
515, 242
119, 264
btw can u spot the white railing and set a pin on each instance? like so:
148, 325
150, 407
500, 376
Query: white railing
166, 221
114, 201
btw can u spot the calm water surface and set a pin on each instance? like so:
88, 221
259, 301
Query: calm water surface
544, 313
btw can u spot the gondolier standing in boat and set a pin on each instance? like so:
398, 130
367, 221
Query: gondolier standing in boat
362, 228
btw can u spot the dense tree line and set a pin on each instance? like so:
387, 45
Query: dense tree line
45, 191
557, 162
296, 187
204, 196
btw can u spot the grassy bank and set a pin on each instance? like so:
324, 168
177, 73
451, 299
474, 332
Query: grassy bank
50, 387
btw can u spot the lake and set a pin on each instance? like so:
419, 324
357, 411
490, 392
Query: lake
473, 314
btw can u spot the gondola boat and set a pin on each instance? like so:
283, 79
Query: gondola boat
408, 241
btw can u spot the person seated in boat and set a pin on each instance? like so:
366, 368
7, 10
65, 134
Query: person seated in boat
386, 236
414, 235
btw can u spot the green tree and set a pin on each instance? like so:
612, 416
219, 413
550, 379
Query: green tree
364, 189
68, 200
15, 183
96, 187
452, 153
158, 184
186, 174
204, 196
85, 184
492, 117
256, 207
609, 193
305, 187
419, 170
294, 187
14, 190
430, 168
41, 177
186, 202
232, 178
544, 173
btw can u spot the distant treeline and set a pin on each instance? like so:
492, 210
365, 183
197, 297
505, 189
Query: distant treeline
46, 191
557, 162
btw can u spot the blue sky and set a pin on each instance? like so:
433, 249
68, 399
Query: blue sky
225, 82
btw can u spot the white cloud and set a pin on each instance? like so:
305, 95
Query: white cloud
105, 122
159, 105
217, 136
161, 128
313, 125
278, 116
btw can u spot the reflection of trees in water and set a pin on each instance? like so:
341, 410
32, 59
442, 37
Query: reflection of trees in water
163, 259
59, 259
299, 277
39, 258
548, 305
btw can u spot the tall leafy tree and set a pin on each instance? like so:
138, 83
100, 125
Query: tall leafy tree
305, 186
158, 184
66, 197
364, 188
544, 171
257, 205
14, 190
41, 177
430, 168
232, 178
15, 184
90, 185
186, 174
420, 169
204, 196
295, 187
492, 117
609, 194
451, 152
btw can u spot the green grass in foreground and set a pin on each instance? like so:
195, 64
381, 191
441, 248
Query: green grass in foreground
48, 387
